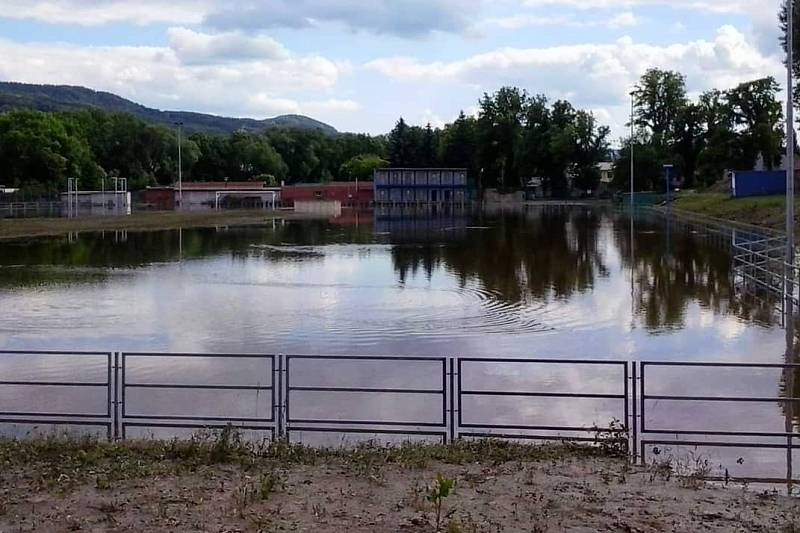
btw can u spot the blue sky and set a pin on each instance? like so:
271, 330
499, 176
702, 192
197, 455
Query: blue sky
360, 65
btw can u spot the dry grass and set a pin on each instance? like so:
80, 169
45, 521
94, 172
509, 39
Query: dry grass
216, 482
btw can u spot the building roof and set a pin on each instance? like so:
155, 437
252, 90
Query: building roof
435, 169
219, 185
332, 184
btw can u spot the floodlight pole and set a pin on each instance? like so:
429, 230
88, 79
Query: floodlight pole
790, 253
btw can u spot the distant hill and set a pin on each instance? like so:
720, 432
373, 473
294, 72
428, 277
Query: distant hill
69, 98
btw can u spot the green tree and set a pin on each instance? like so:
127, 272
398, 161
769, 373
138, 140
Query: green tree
362, 167
39, 154
500, 120
658, 98
591, 147
459, 144
758, 114
402, 152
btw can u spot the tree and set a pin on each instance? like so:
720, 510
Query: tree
783, 17
648, 165
658, 99
758, 115
429, 156
251, 155
500, 122
535, 156
591, 147
718, 153
459, 145
39, 154
362, 167
689, 141
401, 145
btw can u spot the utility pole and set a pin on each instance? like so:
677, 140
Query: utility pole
633, 168
790, 164
180, 167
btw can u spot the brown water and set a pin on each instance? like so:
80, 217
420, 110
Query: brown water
550, 282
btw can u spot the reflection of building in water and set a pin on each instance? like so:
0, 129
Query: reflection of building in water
419, 186
422, 223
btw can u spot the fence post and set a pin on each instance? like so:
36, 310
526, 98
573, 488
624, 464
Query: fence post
115, 407
283, 400
454, 403
634, 415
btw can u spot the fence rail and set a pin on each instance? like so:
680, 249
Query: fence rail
446, 398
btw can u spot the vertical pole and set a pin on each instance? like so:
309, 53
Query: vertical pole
634, 421
180, 168
790, 168
633, 168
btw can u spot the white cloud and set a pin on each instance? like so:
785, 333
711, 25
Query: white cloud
597, 68
192, 47
714, 6
407, 18
333, 105
185, 77
98, 12
592, 76
623, 20
515, 22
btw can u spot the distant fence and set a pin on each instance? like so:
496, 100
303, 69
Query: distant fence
30, 209
441, 398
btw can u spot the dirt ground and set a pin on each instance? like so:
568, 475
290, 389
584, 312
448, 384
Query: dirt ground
83, 490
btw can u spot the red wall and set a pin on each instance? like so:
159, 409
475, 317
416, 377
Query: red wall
346, 193
160, 198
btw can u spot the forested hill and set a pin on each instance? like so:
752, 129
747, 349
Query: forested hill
68, 98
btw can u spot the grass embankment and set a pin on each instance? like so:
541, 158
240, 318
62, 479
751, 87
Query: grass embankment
220, 484
38, 227
765, 211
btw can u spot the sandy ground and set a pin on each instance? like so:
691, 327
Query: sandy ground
564, 494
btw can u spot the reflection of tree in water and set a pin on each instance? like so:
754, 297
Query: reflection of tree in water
672, 267
549, 253
86, 258
790, 380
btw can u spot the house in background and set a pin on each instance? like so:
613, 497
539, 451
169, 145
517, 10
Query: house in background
606, 170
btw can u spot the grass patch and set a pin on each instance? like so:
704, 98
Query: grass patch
766, 211
146, 221
63, 462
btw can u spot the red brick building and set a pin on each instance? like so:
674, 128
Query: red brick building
349, 194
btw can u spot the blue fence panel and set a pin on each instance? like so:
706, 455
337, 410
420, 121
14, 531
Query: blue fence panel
758, 183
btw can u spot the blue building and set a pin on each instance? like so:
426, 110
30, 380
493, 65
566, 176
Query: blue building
419, 186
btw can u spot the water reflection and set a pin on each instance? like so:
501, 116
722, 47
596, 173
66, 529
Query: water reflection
549, 282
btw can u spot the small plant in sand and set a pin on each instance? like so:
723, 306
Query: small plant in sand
613, 439
440, 489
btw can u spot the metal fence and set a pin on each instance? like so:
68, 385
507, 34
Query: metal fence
443, 398
30, 209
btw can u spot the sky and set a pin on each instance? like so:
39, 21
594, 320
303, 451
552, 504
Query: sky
361, 64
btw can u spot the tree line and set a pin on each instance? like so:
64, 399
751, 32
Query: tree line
515, 136
40, 151
704, 138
